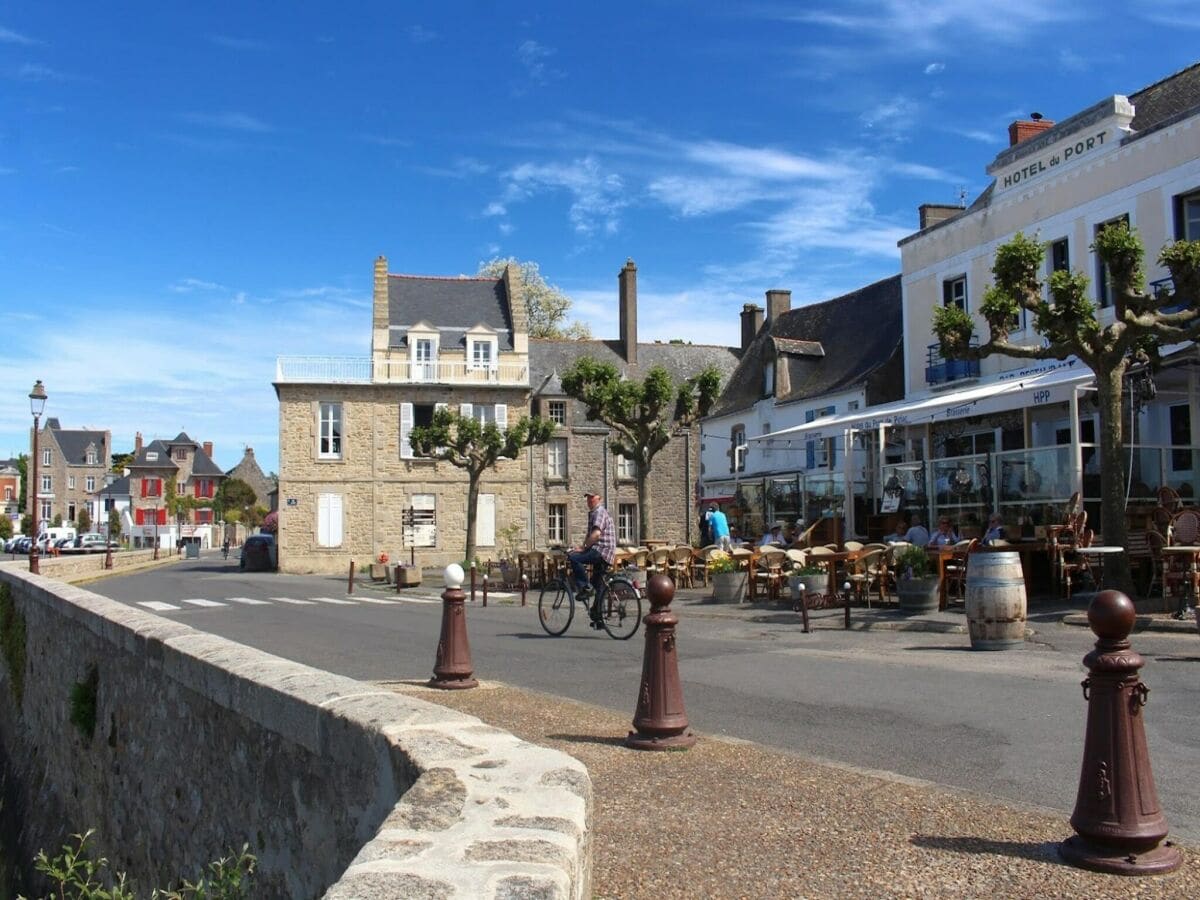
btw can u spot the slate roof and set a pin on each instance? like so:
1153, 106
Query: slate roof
117, 488
202, 464
860, 332
140, 461
452, 305
183, 439
549, 358
249, 471
73, 443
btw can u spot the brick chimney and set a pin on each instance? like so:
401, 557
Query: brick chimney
752, 319
627, 282
1024, 129
137, 443
208, 449
932, 213
778, 302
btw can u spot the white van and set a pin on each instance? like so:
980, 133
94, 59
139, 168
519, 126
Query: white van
58, 533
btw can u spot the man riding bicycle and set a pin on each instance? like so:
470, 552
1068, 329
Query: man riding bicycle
598, 550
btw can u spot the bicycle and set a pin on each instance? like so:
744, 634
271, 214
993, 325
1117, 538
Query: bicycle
620, 599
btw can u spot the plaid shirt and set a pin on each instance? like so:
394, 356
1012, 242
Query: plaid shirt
607, 545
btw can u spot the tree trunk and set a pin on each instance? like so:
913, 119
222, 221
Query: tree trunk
643, 479
472, 502
1112, 474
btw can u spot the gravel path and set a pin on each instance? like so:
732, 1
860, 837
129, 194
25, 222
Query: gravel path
734, 819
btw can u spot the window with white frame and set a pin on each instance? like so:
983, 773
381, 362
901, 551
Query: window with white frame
556, 411
1187, 217
8, 493
47, 484
424, 353
181, 453
483, 413
817, 452
769, 378
47, 456
329, 520
1104, 285
626, 468
556, 523
180, 487
70, 512
954, 292
627, 521
737, 453
483, 354
90, 483
330, 431
91, 457
46, 511
556, 458
71, 482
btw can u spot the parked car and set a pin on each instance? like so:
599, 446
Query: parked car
92, 542
10, 546
259, 553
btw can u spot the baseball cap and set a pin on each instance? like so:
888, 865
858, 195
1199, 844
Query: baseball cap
590, 494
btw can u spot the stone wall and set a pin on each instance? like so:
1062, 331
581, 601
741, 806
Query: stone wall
78, 567
200, 745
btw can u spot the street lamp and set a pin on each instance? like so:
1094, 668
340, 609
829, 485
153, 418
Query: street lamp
37, 405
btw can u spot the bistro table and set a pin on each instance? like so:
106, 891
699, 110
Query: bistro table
1100, 554
1191, 554
1028, 548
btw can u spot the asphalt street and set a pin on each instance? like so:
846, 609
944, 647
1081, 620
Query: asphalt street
1007, 724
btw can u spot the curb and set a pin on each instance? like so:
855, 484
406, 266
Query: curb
1142, 623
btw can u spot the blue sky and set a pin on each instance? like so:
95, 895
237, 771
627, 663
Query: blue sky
188, 191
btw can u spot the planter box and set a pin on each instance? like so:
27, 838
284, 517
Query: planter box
408, 576
813, 584
918, 595
729, 587
379, 572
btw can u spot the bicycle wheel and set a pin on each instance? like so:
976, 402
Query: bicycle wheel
556, 608
622, 609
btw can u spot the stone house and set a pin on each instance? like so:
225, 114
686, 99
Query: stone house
70, 471
10, 490
249, 471
350, 486
150, 472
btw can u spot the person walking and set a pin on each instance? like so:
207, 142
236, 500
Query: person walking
598, 550
720, 528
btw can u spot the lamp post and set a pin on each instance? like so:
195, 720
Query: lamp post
37, 405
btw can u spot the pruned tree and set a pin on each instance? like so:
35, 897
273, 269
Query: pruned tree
1141, 323
643, 415
545, 304
474, 447
83, 520
114, 524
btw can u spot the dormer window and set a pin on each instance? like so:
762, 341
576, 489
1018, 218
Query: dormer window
769, 378
483, 353
91, 457
152, 456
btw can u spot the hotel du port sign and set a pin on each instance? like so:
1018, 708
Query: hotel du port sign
1063, 152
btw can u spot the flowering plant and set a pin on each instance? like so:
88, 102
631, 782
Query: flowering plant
383, 557
720, 564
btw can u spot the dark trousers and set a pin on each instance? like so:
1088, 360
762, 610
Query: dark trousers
591, 556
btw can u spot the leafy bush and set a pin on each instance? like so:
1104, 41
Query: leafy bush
912, 562
808, 568
270, 524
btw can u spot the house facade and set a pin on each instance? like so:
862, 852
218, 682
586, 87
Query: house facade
350, 487
160, 467
70, 471
248, 470
10, 492
801, 366
1019, 436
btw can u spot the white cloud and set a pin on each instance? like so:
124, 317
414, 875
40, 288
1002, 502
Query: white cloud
8, 36
701, 196
935, 68
495, 209
1070, 61
761, 162
232, 121
419, 34
38, 72
188, 285
237, 43
533, 56
597, 195
893, 119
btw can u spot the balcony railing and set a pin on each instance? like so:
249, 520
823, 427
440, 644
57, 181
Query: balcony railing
362, 370
939, 370
1166, 287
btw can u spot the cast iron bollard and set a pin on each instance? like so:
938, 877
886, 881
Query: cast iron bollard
453, 669
472, 581
660, 721
524, 587
800, 604
1117, 817
485, 587
350, 580
397, 575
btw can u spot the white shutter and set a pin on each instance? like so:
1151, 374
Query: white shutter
464, 409
436, 407
501, 413
485, 521
406, 424
329, 520
323, 520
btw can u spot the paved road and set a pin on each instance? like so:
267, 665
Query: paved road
919, 704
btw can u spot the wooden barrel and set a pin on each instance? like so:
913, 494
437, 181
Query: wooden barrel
995, 601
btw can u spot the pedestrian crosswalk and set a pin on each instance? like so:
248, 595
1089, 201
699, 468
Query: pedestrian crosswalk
228, 602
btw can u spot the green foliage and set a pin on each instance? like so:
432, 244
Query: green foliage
12, 642
912, 562
75, 874
6, 529
1017, 266
1182, 259
27, 524
83, 520
114, 523
953, 328
1000, 310
1070, 314
546, 306
120, 461
1121, 249
23, 469
57, 523
510, 540
83, 703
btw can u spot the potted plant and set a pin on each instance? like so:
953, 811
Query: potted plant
814, 579
379, 569
728, 581
916, 587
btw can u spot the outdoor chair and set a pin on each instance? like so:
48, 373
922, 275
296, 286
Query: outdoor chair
1075, 564
768, 573
660, 561
852, 545
956, 569
680, 566
870, 571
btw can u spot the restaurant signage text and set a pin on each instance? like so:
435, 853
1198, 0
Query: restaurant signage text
1062, 153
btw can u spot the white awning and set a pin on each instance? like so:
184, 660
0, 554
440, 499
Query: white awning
1013, 390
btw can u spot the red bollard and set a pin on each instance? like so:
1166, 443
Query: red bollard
660, 721
453, 669
1118, 821
350, 580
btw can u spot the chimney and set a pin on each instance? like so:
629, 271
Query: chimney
752, 319
137, 443
627, 281
778, 302
1024, 129
250, 452
208, 449
379, 307
932, 213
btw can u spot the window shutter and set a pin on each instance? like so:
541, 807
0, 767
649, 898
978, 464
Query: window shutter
162, 516
466, 410
406, 424
501, 412
139, 516
144, 486
323, 520
335, 519
196, 489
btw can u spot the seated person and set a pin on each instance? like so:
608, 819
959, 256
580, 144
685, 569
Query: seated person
772, 537
897, 534
917, 534
944, 536
995, 529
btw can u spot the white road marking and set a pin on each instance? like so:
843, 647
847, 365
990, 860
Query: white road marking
159, 606
294, 601
202, 602
379, 600
334, 600
419, 600
249, 601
